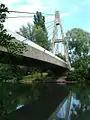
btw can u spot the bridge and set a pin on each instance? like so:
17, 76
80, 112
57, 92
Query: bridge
38, 56
35, 55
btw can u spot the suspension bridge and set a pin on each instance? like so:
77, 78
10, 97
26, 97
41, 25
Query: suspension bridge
38, 56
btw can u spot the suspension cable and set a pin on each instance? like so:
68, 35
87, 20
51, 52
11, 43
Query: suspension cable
30, 13
20, 17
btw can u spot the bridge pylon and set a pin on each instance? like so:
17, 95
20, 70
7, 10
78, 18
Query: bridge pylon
57, 23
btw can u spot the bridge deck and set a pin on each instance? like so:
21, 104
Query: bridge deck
36, 52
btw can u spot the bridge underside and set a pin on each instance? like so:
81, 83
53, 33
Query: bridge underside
7, 58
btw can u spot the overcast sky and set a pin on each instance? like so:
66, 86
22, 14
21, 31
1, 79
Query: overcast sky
74, 13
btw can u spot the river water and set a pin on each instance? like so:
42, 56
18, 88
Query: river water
49, 101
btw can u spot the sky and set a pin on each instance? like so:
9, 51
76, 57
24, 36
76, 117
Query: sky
74, 13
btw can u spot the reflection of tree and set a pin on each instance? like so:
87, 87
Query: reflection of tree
81, 112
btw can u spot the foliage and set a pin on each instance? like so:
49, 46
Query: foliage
6, 41
37, 76
41, 38
27, 32
36, 33
39, 20
81, 70
78, 41
40, 31
61, 56
5, 38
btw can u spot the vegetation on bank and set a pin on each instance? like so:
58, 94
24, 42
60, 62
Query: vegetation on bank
79, 50
37, 76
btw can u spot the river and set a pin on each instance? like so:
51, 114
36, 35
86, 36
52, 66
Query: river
47, 101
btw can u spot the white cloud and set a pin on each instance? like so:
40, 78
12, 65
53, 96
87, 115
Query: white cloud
8, 2
32, 6
15, 23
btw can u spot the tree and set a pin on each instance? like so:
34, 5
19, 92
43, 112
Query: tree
61, 56
5, 38
78, 41
39, 20
36, 33
40, 31
27, 32
41, 38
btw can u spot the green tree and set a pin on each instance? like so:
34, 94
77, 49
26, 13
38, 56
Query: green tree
39, 20
38, 32
41, 38
39, 27
27, 32
5, 38
78, 41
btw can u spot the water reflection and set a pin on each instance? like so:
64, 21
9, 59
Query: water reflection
43, 101
83, 110
75, 107
62, 112
79, 108
19, 106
